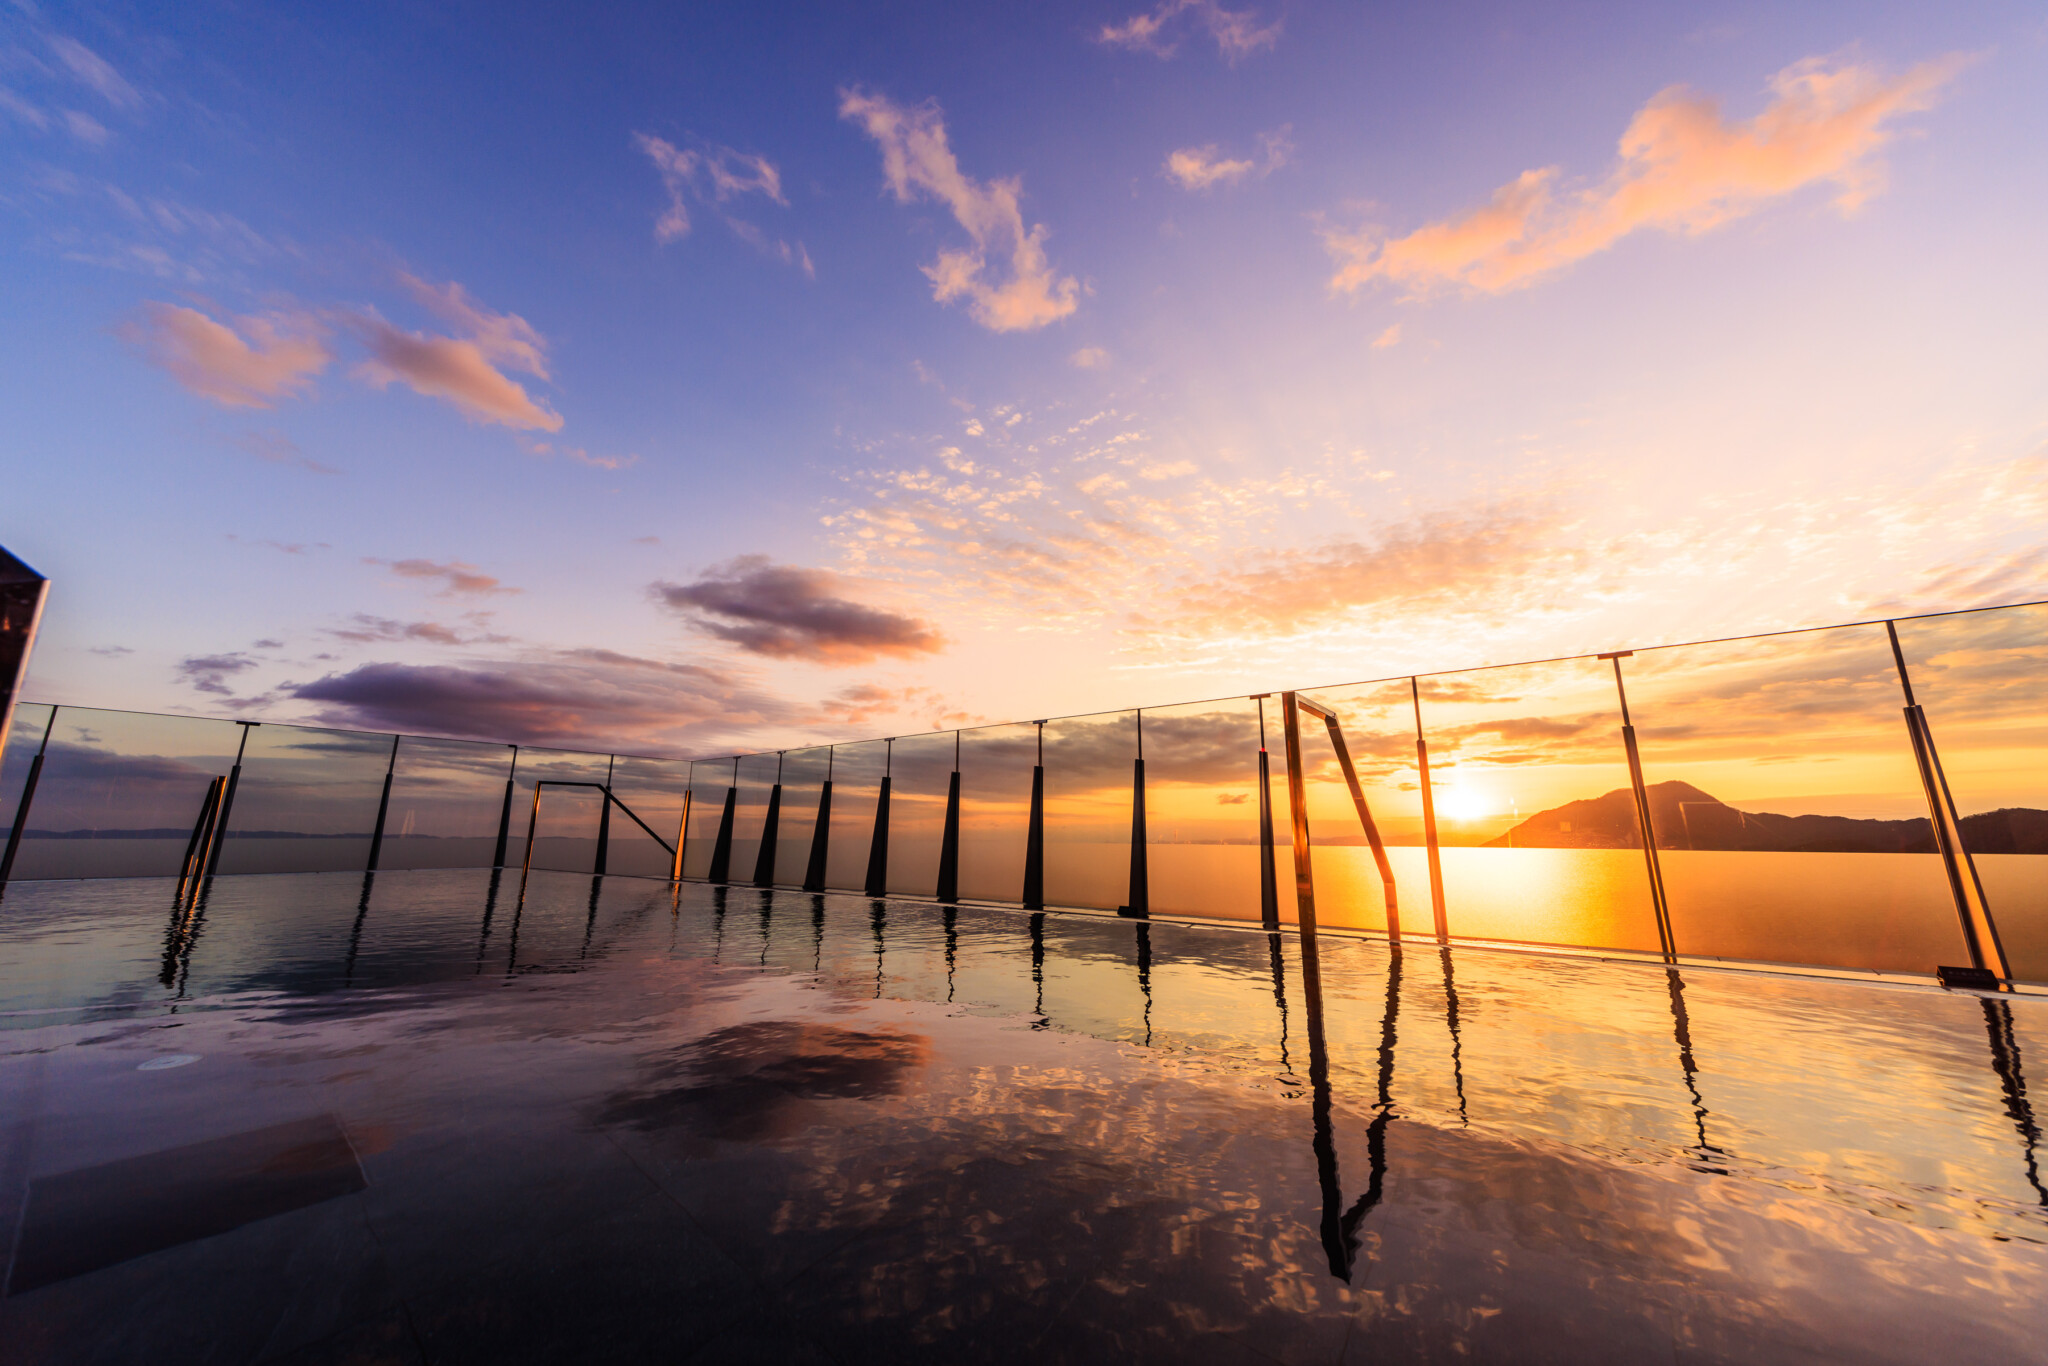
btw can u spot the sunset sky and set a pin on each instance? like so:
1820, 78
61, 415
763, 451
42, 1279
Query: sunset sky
690, 377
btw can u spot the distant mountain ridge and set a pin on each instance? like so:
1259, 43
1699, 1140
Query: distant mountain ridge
1686, 818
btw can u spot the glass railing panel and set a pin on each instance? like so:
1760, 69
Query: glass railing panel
1535, 810
446, 799
921, 771
1202, 809
995, 810
565, 837
31, 720
1377, 721
1982, 679
306, 802
758, 775
119, 791
653, 788
856, 784
710, 780
1089, 771
1790, 819
803, 778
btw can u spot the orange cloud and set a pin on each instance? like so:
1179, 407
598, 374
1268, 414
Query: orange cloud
1203, 168
916, 158
271, 357
1238, 33
1682, 168
462, 370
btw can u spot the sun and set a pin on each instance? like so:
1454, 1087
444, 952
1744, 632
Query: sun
1461, 803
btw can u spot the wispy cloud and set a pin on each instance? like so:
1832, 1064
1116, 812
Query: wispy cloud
90, 69
363, 628
210, 673
916, 159
454, 576
715, 175
1238, 33
1204, 168
461, 369
278, 449
271, 356
1089, 358
1681, 168
787, 612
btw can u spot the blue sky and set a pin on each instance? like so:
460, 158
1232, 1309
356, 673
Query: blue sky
688, 377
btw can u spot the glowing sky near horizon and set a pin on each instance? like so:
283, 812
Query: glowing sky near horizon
679, 379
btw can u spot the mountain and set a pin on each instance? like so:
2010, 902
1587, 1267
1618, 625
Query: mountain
1687, 818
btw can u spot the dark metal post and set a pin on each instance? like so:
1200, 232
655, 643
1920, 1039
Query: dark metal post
1667, 941
505, 812
1034, 832
721, 847
1269, 879
604, 818
878, 847
764, 864
1980, 931
1304, 874
1436, 863
28, 795
1141, 876
675, 868
196, 846
532, 824
949, 839
383, 810
227, 800
1372, 830
821, 830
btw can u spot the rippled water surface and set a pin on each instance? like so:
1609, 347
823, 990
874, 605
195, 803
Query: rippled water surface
434, 1119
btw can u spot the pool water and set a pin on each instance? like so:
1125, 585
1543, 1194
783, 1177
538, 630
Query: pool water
438, 1117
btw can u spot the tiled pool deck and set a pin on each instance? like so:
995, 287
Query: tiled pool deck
616, 1123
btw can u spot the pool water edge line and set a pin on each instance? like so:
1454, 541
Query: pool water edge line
2024, 989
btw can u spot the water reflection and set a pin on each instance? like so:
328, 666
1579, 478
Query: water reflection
1339, 1225
2005, 1060
1681, 1028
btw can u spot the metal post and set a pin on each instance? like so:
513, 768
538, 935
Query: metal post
721, 846
1667, 941
28, 795
949, 840
195, 847
604, 818
1980, 931
383, 809
764, 863
878, 847
1034, 832
821, 830
505, 812
1436, 863
227, 800
675, 869
1269, 882
532, 824
1141, 878
1304, 876
1365, 820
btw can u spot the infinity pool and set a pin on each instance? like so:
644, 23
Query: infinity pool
433, 1119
